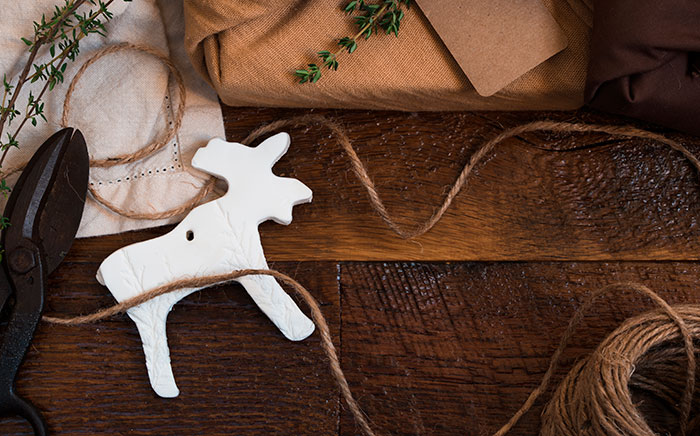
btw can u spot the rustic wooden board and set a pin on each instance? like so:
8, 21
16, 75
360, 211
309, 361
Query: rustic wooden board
628, 200
237, 374
429, 348
445, 349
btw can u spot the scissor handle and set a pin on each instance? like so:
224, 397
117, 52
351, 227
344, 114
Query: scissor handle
13, 405
27, 280
26, 313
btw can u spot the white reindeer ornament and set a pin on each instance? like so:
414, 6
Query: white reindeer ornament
214, 238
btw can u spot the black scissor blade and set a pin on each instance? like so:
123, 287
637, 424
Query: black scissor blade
47, 201
64, 206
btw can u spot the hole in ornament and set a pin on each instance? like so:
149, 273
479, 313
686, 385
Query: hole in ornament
189, 235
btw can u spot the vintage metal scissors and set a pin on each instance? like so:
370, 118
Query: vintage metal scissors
44, 209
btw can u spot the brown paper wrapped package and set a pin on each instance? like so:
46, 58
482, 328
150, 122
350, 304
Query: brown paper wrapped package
249, 49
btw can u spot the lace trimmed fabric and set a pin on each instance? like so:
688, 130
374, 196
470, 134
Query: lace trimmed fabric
124, 101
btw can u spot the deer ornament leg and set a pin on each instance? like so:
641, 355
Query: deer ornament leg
214, 238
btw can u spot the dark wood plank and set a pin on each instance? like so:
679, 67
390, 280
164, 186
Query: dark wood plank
237, 374
444, 349
629, 200
429, 348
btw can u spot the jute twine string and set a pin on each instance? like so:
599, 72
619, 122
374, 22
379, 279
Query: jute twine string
375, 199
159, 143
594, 399
199, 282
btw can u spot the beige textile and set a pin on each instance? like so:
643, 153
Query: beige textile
249, 49
122, 103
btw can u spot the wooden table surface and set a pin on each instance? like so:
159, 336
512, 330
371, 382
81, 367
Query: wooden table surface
439, 336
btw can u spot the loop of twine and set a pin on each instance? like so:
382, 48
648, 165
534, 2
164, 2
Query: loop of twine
143, 152
149, 149
596, 393
158, 143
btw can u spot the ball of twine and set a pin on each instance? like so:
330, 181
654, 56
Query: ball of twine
646, 356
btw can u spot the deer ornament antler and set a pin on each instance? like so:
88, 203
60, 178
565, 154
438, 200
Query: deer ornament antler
214, 238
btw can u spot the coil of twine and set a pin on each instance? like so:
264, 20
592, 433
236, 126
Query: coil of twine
649, 353
594, 399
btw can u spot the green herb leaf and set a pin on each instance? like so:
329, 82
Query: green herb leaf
371, 17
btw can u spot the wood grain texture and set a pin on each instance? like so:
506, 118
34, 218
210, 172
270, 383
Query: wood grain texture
429, 348
445, 349
236, 372
629, 199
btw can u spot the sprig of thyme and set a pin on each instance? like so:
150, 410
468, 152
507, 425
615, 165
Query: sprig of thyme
62, 33
385, 15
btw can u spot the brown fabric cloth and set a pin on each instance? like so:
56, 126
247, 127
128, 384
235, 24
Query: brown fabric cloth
643, 53
249, 49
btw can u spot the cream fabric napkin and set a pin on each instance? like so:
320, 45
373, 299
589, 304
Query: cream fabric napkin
122, 103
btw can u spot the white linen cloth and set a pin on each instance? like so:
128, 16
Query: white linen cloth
122, 103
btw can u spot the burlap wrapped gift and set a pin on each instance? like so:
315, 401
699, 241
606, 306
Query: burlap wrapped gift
248, 50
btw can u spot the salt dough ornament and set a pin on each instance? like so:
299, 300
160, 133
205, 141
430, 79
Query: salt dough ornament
214, 238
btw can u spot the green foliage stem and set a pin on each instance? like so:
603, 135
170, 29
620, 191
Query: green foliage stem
370, 18
61, 32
